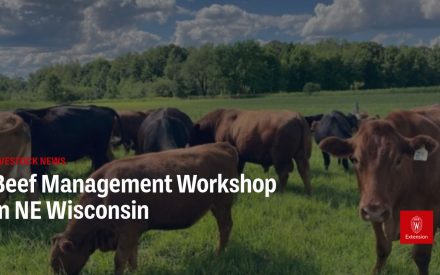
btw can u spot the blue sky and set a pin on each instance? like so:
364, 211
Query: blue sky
35, 33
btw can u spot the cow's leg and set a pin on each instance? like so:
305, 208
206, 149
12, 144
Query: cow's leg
132, 260
241, 164
33, 196
383, 247
304, 171
127, 242
283, 169
100, 157
110, 154
421, 254
223, 215
345, 164
326, 158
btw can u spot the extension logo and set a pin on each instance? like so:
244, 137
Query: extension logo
416, 224
416, 227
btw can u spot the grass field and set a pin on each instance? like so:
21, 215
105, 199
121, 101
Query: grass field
287, 233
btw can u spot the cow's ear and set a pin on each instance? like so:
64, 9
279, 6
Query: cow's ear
66, 245
421, 141
336, 147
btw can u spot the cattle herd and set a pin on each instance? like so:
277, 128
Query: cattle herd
167, 142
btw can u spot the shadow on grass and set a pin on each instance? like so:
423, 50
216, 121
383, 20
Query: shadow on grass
238, 259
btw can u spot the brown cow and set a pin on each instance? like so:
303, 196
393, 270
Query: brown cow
389, 179
15, 141
72, 248
262, 137
130, 122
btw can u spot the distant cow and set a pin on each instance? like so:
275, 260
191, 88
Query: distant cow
334, 124
167, 211
72, 132
390, 179
313, 118
130, 122
164, 129
15, 142
263, 137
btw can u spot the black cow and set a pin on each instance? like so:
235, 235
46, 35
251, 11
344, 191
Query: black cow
311, 119
334, 124
71, 132
164, 129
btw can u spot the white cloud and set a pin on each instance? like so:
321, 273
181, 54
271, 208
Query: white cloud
11, 4
348, 16
184, 11
4, 31
225, 23
398, 38
430, 8
435, 42
81, 30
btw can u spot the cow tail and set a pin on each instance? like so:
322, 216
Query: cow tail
124, 141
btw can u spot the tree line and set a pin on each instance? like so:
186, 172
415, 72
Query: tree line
239, 69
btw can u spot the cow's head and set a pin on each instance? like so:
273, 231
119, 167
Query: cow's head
382, 159
353, 121
204, 130
68, 257
200, 134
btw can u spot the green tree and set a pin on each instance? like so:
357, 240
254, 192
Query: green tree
51, 88
200, 72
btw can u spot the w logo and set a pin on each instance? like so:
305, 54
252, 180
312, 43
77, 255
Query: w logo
416, 224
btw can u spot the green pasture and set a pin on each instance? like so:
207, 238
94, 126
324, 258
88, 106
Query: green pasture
287, 233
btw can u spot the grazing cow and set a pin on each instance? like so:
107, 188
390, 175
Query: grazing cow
15, 142
167, 211
164, 129
389, 179
130, 123
334, 124
71, 132
263, 137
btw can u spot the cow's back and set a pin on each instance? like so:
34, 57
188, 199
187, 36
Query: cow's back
164, 129
204, 161
70, 131
257, 134
432, 112
412, 123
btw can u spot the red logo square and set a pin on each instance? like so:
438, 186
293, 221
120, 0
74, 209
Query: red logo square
416, 226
